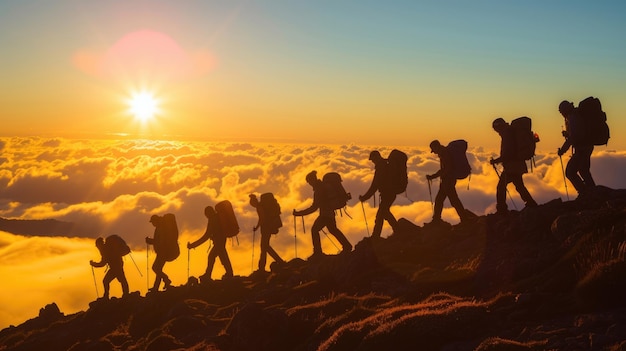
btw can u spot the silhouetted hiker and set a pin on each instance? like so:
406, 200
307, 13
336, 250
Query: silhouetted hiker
447, 187
112, 257
326, 217
165, 242
514, 167
215, 233
268, 210
383, 184
578, 166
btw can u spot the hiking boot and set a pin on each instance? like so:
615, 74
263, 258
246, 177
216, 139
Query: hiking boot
205, 278
227, 276
168, 284
316, 256
435, 222
530, 204
346, 249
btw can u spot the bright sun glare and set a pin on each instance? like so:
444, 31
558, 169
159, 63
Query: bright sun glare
143, 105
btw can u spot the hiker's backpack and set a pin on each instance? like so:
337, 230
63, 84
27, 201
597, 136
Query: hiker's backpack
525, 138
271, 213
116, 245
461, 167
594, 121
227, 218
336, 196
397, 177
169, 238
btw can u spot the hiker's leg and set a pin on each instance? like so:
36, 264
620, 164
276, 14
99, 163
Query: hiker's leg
439, 199
315, 234
332, 228
223, 255
383, 214
269, 250
106, 282
265, 243
121, 277
453, 197
501, 193
522, 190
388, 200
574, 165
585, 165
157, 267
211, 261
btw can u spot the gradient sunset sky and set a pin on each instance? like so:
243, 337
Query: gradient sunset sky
241, 86
366, 72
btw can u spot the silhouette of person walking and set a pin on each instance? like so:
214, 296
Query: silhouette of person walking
216, 234
267, 229
381, 182
114, 260
578, 167
158, 242
514, 167
447, 187
326, 216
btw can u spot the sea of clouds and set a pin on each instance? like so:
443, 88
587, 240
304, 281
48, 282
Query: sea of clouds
108, 187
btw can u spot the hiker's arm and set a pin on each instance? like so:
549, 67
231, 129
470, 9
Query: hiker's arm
98, 264
563, 149
434, 175
203, 238
372, 189
307, 211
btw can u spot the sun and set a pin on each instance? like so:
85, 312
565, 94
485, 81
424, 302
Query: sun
143, 105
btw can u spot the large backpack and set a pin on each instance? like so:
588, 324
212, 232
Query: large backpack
397, 177
525, 138
270, 209
336, 196
594, 121
460, 165
227, 218
116, 245
169, 238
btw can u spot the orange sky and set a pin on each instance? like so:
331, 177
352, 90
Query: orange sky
334, 73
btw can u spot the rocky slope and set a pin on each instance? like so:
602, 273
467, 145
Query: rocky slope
550, 277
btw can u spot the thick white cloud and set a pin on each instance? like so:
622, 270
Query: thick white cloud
113, 187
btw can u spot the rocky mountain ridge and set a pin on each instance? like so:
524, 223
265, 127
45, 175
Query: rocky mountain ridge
542, 278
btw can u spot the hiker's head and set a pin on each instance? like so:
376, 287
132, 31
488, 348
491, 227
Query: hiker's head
498, 124
209, 211
565, 107
435, 146
154, 219
253, 200
311, 177
99, 242
375, 156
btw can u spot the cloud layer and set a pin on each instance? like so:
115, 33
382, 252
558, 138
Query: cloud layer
113, 187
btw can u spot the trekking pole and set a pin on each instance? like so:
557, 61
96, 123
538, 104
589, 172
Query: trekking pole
188, 261
430, 193
93, 273
147, 266
252, 263
564, 179
295, 238
365, 217
136, 266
